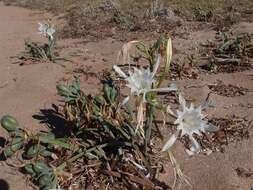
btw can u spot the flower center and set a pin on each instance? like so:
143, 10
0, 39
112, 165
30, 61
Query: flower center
191, 120
145, 85
143, 82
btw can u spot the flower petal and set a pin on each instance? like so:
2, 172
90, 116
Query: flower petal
208, 104
119, 71
168, 89
191, 107
182, 101
169, 143
169, 110
211, 128
189, 152
195, 145
40, 27
50, 32
173, 86
125, 100
169, 52
199, 109
156, 66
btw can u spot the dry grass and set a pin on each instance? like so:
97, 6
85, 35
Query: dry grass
184, 7
97, 18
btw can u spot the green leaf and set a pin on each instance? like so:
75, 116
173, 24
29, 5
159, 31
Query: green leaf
46, 153
107, 93
45, 180
34, 150
63, 90
18, 133
40, 167
10, 150
29, 169
9, 123
113, 95
99, 100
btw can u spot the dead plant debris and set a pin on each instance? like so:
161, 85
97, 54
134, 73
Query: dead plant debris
244, 173
229, 53
227, 90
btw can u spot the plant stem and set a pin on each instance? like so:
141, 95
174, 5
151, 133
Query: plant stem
51, 43
150, 113
64, 164
83, 153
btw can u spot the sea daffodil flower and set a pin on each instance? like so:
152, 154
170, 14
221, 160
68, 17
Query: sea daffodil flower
47, 30
189, 121
141, 81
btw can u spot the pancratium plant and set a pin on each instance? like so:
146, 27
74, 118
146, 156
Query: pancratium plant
41, 52
144, 86
48, 30
189, 121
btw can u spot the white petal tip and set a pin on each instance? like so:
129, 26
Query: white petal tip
119, 71
182, 101
189, 152
195, 145
173, 87
169, 143
125, 100
169, 110
211, 128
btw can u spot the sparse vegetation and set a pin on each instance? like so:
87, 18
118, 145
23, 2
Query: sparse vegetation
138, 15
230, 53
118, 122
97, 129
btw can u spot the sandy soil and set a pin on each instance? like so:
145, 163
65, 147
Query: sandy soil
25, 90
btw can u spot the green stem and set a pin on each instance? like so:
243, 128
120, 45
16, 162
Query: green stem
150, 113
51, 44
56, 142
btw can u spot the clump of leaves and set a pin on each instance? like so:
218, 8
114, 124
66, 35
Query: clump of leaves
98, 129
203, 14
238, 46
36, 52
230, 53
155, 9
46, 178
226, 20
124, 21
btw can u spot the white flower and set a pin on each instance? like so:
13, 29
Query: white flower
189, 121
141, 81
46, 29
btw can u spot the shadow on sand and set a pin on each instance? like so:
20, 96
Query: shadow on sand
54, 120
4, 185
